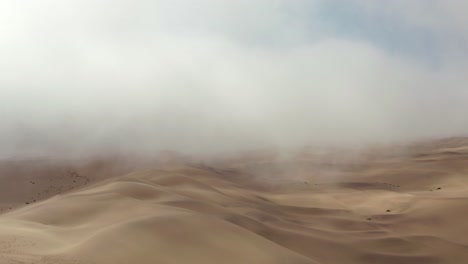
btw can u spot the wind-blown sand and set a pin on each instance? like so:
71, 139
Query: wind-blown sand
408, 207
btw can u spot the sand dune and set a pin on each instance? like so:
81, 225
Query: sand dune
400, 209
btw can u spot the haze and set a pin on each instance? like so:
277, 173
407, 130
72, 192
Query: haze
233, 131
215, 76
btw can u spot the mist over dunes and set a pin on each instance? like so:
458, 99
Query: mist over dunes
267, 131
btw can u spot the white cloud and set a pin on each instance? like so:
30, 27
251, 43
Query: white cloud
210, 76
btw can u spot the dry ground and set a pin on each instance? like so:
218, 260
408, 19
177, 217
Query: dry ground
408, 205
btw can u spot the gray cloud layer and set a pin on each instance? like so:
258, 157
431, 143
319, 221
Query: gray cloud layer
208, 76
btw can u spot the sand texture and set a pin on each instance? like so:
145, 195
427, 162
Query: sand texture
408, 207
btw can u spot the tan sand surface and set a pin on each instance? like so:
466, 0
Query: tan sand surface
408, 208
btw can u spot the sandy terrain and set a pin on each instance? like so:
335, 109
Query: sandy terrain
405, 207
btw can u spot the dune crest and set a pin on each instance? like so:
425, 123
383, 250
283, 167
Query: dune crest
403, 209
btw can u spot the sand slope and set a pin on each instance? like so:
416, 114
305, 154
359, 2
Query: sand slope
389, 210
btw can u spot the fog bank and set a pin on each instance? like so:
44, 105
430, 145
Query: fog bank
210, 76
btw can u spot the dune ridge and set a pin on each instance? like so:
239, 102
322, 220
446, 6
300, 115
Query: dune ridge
388, 210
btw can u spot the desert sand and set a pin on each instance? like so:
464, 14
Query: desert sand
403, 205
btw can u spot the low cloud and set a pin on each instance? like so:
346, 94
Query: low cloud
144, 76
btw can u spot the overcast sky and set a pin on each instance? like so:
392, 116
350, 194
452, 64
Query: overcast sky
209, 75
